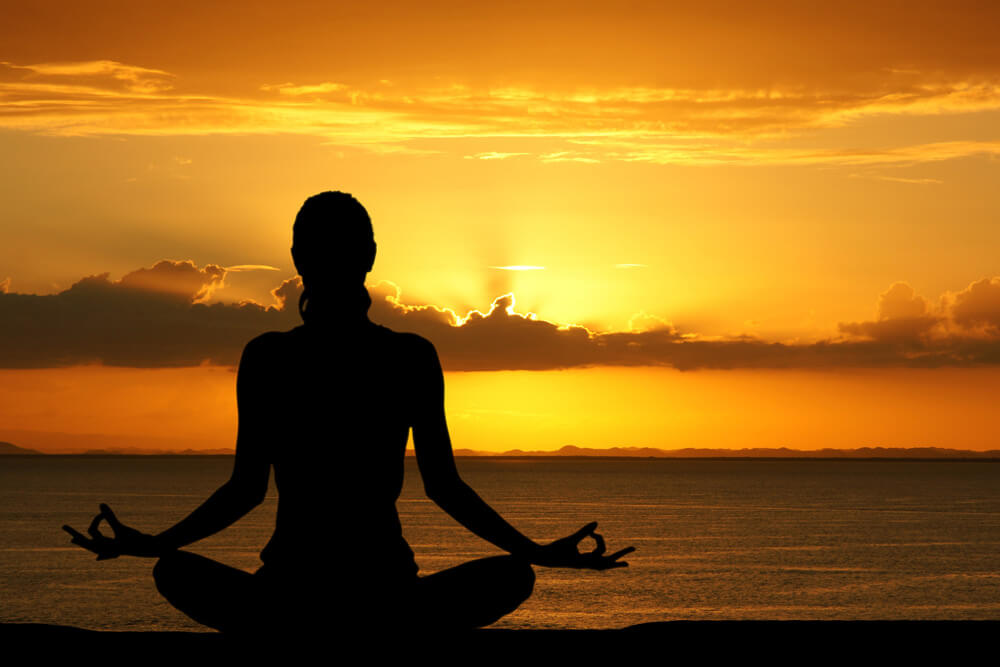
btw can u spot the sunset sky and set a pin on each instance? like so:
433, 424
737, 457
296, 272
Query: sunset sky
701, 224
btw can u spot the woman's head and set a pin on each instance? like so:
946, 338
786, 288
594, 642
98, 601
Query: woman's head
333, 247
332, 239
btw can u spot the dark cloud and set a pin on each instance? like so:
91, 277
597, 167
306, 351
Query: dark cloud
978, 306
150, 318
183, 280
502, 339
499, 339
903, 317
157, 317
964, 330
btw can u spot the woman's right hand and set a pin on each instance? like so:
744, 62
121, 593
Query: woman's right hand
126, 542
565, 552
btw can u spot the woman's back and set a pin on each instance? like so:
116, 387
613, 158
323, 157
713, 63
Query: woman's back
334, 403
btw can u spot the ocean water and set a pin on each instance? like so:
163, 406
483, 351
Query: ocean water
715, 539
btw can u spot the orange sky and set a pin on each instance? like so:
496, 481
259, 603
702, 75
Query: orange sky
706, 173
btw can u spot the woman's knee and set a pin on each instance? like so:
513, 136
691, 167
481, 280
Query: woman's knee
514, 576
522, 578
513, 582
170, 569
211, 593
164, 572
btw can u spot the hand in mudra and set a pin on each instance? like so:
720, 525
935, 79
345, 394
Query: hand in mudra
126, 541
565, 552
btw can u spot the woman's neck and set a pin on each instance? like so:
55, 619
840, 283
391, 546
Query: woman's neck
340, 308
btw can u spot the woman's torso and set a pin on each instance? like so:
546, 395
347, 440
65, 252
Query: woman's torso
341, 400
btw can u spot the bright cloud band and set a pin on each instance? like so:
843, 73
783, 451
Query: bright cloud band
160, 317
625, 124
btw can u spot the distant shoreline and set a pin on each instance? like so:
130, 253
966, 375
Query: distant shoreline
595, 458
571, 452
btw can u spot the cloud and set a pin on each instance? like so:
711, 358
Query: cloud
183, 280
654, 150
977, 307
658, 125
903, 316
151, 317
900, 301
286, 295
899, 179
485, 341
134, 79
315, 89
251, 267
493, 155
156, 317
964, 322
570, 156
643, 321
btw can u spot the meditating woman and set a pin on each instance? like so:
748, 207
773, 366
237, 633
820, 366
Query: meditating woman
329, 405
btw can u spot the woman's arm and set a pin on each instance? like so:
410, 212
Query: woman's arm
247, 485
244, 490
446, 488
230, 502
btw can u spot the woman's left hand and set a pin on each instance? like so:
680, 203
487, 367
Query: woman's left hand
565, 552
126, 541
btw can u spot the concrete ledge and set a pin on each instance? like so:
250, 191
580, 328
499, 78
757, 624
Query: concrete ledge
782, 642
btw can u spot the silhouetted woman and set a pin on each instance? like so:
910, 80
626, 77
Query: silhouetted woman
329, 406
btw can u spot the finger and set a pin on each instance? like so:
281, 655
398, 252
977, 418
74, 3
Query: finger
94, 530
600, 548
618, 554
583, 532
110, 517
73, 532
78, 538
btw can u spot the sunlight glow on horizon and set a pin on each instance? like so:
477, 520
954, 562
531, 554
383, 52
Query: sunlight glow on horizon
527, 410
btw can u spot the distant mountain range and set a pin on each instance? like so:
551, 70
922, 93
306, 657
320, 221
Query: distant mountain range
8, 448
614, 452
750, 453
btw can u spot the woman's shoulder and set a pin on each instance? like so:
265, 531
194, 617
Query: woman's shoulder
408, 349
270, 340
407, 342
272, 345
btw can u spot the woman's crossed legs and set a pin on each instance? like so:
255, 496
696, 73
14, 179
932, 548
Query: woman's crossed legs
471, 595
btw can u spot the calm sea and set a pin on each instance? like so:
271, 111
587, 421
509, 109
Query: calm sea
715, 539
